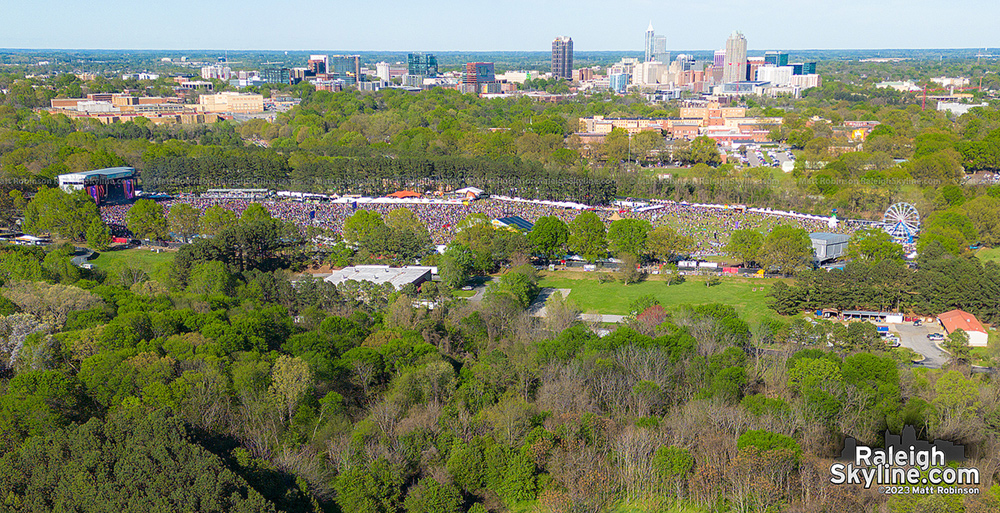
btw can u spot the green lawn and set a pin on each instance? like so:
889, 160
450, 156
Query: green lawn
614, 297
141, 258
989, 254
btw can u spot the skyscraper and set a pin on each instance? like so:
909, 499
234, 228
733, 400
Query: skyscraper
562, 57
650, 36
776, 58
346, 68
719, 59
425, 65
479, 73
660, 53
736, 58
318, 64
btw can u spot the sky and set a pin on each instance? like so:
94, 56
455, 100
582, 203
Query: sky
508, 25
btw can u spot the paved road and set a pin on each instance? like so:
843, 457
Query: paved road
602, 318
480, 291
915, 338
81, 256
537, 307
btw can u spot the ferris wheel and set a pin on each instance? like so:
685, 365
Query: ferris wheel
901, 221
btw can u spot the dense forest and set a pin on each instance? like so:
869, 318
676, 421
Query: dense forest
214, 383
222, 380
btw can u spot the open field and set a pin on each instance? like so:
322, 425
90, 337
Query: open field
985, 254
747, 295
142, 258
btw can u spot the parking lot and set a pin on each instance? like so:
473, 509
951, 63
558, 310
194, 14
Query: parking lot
754, 156
915, 338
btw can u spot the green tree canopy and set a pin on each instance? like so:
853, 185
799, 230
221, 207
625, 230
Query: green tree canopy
787, 250
549, 236
145, 220
587, 236
54, 211
183, 220
745, 245
873, 245
628, 236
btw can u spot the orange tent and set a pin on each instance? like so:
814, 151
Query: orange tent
405, 194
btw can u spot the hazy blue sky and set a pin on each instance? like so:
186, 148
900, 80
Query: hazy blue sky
445, 25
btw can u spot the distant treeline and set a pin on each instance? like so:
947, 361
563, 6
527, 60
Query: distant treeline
246, 168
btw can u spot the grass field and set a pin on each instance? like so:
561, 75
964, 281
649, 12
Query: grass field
747, 295
142, 258
985, 254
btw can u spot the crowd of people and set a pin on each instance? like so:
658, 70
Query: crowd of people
710, 228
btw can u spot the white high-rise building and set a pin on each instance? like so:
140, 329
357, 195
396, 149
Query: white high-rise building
650, 36
776, 75
660, 53
735, 67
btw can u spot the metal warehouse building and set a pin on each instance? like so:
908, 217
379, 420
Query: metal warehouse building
828, 246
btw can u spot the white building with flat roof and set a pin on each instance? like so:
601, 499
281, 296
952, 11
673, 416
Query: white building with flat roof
379, 274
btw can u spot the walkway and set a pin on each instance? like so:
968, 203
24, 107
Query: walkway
537, 307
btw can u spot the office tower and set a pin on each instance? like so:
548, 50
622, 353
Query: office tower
346, 68
479, 73
776, 58
720, 59
562, 57
660, 53
685, 62
619, 82
317, 64
736, 58
753, 63
276, 76
649, 43
804, 68
425, 65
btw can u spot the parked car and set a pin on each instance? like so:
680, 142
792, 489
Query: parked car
935, 336
917, 323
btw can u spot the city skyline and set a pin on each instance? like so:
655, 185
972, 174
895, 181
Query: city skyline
447, 25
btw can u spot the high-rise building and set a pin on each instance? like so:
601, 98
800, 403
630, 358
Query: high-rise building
619, 82
804, 68
650, 36
562, 57
317, 64
276, 76
685, 62
776, 75
479, 73
217, 72
753, 63
736, 58
386, 72
425, 65
346, 68
776, 58
719, 59
660, 53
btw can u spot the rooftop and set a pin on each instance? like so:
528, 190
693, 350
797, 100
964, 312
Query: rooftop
830, 237
379, 274
110, 171
958, 319
517, 222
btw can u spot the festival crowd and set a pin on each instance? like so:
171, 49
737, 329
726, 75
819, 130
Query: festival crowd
710, 228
